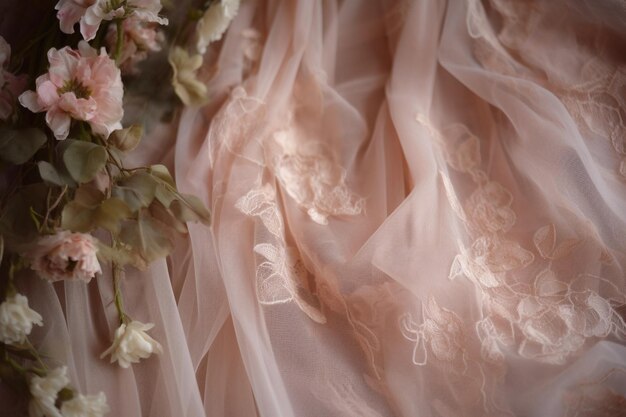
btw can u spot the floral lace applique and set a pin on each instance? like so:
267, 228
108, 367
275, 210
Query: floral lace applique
597, 102
441, 332
309, 173
546, 318
261, 202
281, 277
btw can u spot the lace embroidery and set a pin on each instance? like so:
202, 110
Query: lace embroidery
281, 277
546, 318
261, 202
597, 102
441, 333
309, 173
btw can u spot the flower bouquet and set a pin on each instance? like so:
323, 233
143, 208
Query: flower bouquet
70, 207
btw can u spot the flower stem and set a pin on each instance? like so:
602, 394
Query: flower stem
119, 302
120, 41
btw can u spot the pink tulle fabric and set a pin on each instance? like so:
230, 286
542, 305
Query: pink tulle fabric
419, 209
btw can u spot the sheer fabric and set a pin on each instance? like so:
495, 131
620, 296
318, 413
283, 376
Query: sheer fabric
418, 209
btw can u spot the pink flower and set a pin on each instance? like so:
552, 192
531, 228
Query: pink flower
71, 12
81, 85
11, 85
139, 38
91, 13
66, 255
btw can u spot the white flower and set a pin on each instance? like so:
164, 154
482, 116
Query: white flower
132, 343
188, 88
214, 23
17, 319
66, 255
45, 391
85, 406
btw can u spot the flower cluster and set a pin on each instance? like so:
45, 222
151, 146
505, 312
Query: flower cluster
91, 13
46, 390
73, 211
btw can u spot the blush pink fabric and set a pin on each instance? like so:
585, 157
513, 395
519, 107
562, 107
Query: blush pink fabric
419, 209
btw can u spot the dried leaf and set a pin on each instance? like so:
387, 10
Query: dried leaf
50, 174
90, 210
147, 236
126, 139
84, 159
138, 190
190, 209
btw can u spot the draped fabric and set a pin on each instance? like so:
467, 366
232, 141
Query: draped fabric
418, 209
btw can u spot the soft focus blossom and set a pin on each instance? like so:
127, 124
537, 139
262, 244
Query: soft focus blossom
44, 391
81, 85
11, 86
91, 13
214, 23
132, 343
66, 255
85, 406
17, 319
140, 38
70, 12
188, 88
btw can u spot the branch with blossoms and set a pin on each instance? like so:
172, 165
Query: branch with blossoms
69, 205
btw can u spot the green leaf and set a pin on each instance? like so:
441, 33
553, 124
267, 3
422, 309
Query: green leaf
147, 236
50, 174
190, 209
84, 160
126, 139
90, 210
165, 216
161, 172
137, 191
18, 146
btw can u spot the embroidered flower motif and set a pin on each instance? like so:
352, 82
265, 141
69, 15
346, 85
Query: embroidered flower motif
91, 13
214, 22
281, 279
261, 202
188, 88
85, 406
44, 391
17, 319
132, 343
80, 85
66, 255
488, 209
310, 175
11, 86
140, 38
441, 331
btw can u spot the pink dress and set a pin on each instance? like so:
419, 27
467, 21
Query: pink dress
419, 210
